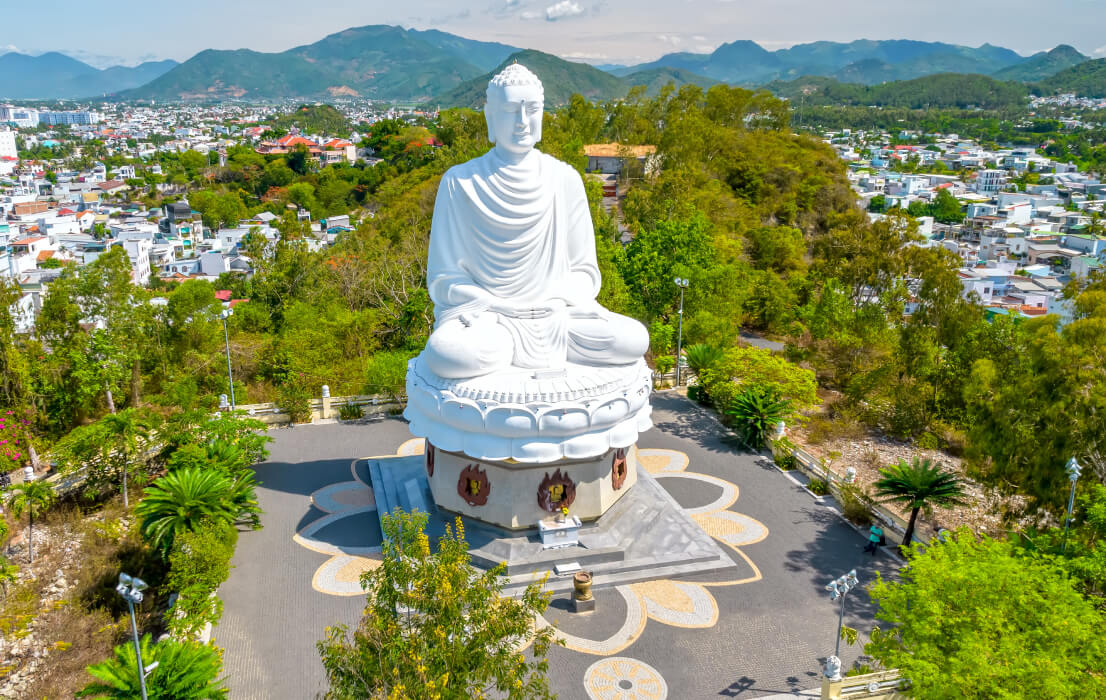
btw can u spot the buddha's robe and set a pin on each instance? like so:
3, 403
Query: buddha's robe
506, 238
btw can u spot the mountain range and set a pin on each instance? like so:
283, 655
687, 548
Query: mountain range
392, 63
862, 61
57, 76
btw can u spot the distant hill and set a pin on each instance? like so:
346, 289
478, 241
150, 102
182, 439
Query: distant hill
484, 55
865, 61
314, 119
560, 78
378, 61
932, 91
1042, 65
656, 78
1088, 79
57, 76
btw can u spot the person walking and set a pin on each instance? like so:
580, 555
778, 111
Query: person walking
875, 538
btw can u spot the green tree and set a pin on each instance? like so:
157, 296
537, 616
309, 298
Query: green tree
183, 499
741, 367
436, 627
185, 671
946, 208
973, 619
33, 498
127, 432
919, 485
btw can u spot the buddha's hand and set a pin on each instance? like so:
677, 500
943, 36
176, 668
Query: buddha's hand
528, 311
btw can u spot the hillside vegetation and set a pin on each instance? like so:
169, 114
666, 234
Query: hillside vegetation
1086, 80
313, 119
933, 91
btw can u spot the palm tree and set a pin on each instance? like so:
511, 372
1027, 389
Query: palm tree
702, 356
32, 498
919, 486
125, 430
756, 411
185, 671
8, 572
181, 500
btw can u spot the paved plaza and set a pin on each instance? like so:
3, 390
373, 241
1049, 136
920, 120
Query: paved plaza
760, 628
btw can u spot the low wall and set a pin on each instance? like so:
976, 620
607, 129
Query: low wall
884, 685
327, 408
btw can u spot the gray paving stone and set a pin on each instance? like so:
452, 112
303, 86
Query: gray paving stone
771, 637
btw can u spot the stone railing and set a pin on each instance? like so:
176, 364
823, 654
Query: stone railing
811, 467
884, 685
327, 408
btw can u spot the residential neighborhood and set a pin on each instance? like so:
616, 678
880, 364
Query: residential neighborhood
53, 212
1024, 225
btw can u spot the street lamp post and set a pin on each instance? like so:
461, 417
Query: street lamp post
838, 588
131, 589
1072, 469
682, 283
225, 314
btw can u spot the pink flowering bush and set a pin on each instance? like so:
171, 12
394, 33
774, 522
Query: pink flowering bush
14, 440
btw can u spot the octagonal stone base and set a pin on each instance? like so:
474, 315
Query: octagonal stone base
507, 493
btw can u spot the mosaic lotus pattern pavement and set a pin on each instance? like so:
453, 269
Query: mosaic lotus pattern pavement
349, 519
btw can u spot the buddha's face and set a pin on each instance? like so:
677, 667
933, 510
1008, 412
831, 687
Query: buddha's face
514, 115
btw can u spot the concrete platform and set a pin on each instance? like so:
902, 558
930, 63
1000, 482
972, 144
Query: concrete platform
646, 535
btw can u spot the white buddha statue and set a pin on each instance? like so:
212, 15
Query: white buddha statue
512, 269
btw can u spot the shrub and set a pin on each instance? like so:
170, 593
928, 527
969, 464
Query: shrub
756, 411
181, 501
386, 373
295, 400
854, 504
349, 411
702, 356
198, 564
818, 487
184, 671
664, 363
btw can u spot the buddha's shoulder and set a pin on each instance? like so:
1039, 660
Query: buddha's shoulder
463, 171
561, 168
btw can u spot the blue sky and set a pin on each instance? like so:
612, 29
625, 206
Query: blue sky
598, 31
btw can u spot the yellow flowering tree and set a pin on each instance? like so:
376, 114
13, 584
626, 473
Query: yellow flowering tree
435, 627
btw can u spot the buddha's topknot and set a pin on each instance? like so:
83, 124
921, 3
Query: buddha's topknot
514, 74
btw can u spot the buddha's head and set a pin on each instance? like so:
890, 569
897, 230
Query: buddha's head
514, 109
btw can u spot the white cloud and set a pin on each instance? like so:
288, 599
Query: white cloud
672, 39
585, 56
530, 15
565, 8
10, 47
1100, 51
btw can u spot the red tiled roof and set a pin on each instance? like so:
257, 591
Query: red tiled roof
45, 255
223, 294
29, 240
289, 141
235, 302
